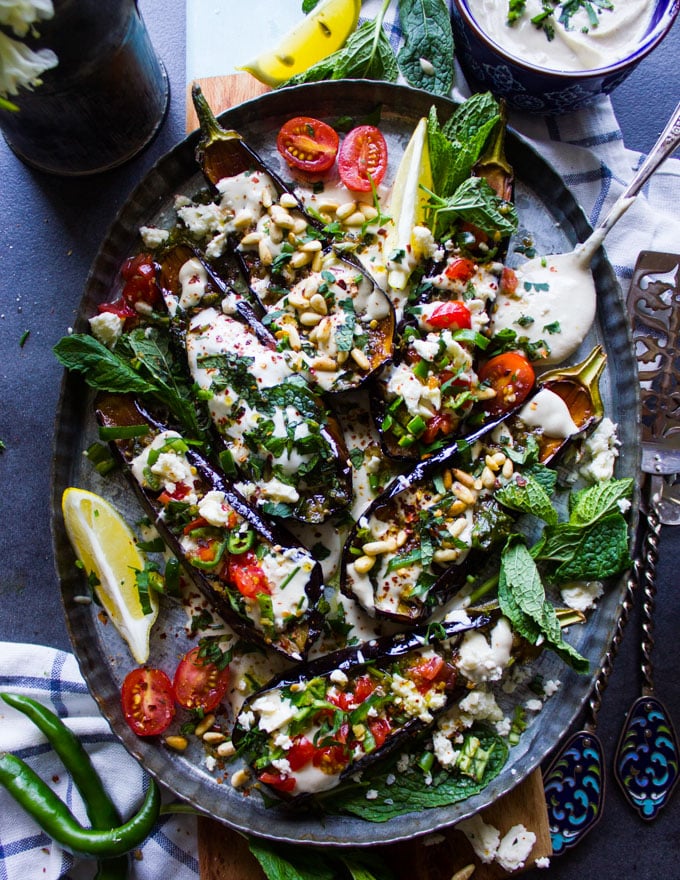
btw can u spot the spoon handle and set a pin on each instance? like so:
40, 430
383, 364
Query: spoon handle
668, 141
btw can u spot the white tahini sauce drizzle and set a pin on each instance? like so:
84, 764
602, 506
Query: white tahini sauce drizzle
580, 47
547, 410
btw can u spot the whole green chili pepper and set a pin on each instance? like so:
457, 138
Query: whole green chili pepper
56, 820
100, 808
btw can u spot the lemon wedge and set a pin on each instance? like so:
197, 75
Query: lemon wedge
407, 207
318, 35
106, 546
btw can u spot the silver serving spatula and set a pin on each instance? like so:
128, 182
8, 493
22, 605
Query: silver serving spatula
647, 762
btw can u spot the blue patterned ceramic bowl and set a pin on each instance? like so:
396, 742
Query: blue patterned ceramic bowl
534, 89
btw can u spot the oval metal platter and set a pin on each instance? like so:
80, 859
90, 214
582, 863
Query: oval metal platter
550, 216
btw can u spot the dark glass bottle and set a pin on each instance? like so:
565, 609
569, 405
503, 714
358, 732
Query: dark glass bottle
102, 103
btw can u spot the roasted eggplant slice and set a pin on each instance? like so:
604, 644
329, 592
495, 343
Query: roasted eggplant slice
282, 441
332, 320
414, 546
313, 727
258, 577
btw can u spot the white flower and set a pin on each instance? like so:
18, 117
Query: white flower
21, 14
21, 66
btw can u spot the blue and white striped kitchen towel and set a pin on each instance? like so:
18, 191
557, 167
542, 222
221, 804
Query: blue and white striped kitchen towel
26, 853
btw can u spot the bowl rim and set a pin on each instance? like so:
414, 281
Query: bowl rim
659, 30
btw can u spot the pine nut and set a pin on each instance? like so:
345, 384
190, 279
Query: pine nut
288, 200
325, 364
275, 233
324, 332
317, 262
329, 206
457, 507
342, 357
464, 494
488, 478
310, 247
293, 337
370, 212
213, 737
375, 548
300, 259
281, 217
243, 218
464, 873
298, 301
265, 254
266, 198
251, 238
205, 725
464, 478
240, 778
226, 749
355, 219
360, 359
458, 526
447, 479
345, 210
309, 319
364, 564
300, 226
508, 468
177, 743
402, 537
318, 303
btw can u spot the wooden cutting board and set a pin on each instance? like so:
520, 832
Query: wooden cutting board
224, 854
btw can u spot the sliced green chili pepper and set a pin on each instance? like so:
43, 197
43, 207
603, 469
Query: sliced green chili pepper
56, 820
209, 564
100, 808
240, 542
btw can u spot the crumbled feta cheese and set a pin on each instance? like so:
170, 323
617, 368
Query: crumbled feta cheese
533, 705
582, 595
214, 508
276, 490
483, 837
515, 848
600, 452
247, 720
371, 794
274, 711
504, 726
338, 677
479, 705
282, 765
153, 236
107, 328
481, 660
210, 762
551, 687
283, 741
542, 862
443, 749
415, 703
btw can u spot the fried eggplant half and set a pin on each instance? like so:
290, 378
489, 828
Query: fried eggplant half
258, 577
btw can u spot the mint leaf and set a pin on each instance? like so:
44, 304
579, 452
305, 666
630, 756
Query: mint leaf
601, 552
474, 202
101, 368
522, 600
287, 862
599, 500
527, 495
426, 58
411, 793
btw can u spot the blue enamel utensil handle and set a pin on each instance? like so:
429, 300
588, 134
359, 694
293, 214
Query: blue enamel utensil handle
647, 761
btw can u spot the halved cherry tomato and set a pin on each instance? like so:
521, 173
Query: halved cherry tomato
442, 422
148, 701
428, 669
277, 781
343, 700
512, 378
246, 575
380, 728
300, 753
198, 684
308, 144
460, 269
363, 158
139, 274
363, 688
119, 307
450, 314
331, 759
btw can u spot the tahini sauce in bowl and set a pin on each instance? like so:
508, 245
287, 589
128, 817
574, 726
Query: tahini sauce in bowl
580, 45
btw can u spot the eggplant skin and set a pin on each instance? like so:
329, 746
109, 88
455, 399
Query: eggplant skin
370, 677
295, 639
